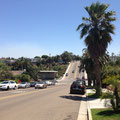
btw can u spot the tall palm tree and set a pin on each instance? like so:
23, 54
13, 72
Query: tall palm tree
97, 30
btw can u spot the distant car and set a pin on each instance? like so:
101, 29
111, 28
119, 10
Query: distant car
24, 85
73, 71
6, 85
78, 87
41, 84
32, 84
66, 74
53, 82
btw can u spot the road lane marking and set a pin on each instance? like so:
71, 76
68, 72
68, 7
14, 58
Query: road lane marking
17, 91
21, 94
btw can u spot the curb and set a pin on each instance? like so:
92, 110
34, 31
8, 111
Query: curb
89, 114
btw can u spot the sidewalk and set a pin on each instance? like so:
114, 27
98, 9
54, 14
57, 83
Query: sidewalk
91, 103
94, 103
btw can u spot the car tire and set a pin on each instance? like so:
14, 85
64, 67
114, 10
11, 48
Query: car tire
71, 92
7, 88
14, 88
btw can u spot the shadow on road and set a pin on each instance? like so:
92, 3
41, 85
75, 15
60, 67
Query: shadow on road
74, 97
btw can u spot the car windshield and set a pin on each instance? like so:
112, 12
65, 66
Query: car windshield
80, 82
41, 82
5, 82
32, 83
23, 82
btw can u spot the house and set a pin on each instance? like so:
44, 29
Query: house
48, 75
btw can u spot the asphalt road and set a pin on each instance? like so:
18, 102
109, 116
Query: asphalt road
53, 103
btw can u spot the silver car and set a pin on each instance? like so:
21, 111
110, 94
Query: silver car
24, 85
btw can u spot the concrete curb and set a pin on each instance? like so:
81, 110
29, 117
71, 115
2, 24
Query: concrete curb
89, 114
66, 71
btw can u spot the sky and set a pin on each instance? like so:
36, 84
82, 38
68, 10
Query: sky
32, 28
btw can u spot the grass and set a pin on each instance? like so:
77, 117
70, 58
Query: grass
92, 95
105, 114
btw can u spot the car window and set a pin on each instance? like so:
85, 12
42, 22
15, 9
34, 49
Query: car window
41, 82
23, 82
12, 82
5, 82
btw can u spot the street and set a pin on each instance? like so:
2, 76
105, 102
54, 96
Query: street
53, 103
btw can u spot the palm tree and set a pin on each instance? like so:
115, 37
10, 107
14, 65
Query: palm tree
87, 64
97, 30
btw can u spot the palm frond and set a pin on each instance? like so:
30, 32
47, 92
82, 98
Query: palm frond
81, 25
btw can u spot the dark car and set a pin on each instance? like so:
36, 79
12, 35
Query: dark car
81, 80
32, 84
66, 74
78, 87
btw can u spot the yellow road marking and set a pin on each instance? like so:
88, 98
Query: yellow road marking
21, 94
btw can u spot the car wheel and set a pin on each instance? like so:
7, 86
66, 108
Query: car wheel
71, 92
14, 88
7, 87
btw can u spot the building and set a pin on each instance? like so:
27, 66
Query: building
48, 75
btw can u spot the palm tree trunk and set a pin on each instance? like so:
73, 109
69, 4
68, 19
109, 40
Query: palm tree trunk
117, 98
89, 80
98, 80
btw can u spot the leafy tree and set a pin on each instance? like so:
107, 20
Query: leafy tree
24, 78
66, 57
118, 61
5, 72
97, 30
45, 56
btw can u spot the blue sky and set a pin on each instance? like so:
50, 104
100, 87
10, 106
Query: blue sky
32, 28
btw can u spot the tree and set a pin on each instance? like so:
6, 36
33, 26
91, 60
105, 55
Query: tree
5, 72
66, 57
24, 78
97, 30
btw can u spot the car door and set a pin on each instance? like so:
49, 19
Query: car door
12, 84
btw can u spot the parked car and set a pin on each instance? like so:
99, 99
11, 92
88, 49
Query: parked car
48, 82
78, 87
53, 82
24, 85
41, 84
6, 85
32, 84
79, 80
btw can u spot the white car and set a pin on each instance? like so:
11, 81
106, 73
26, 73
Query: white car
6, 85
41, 84
48, 82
